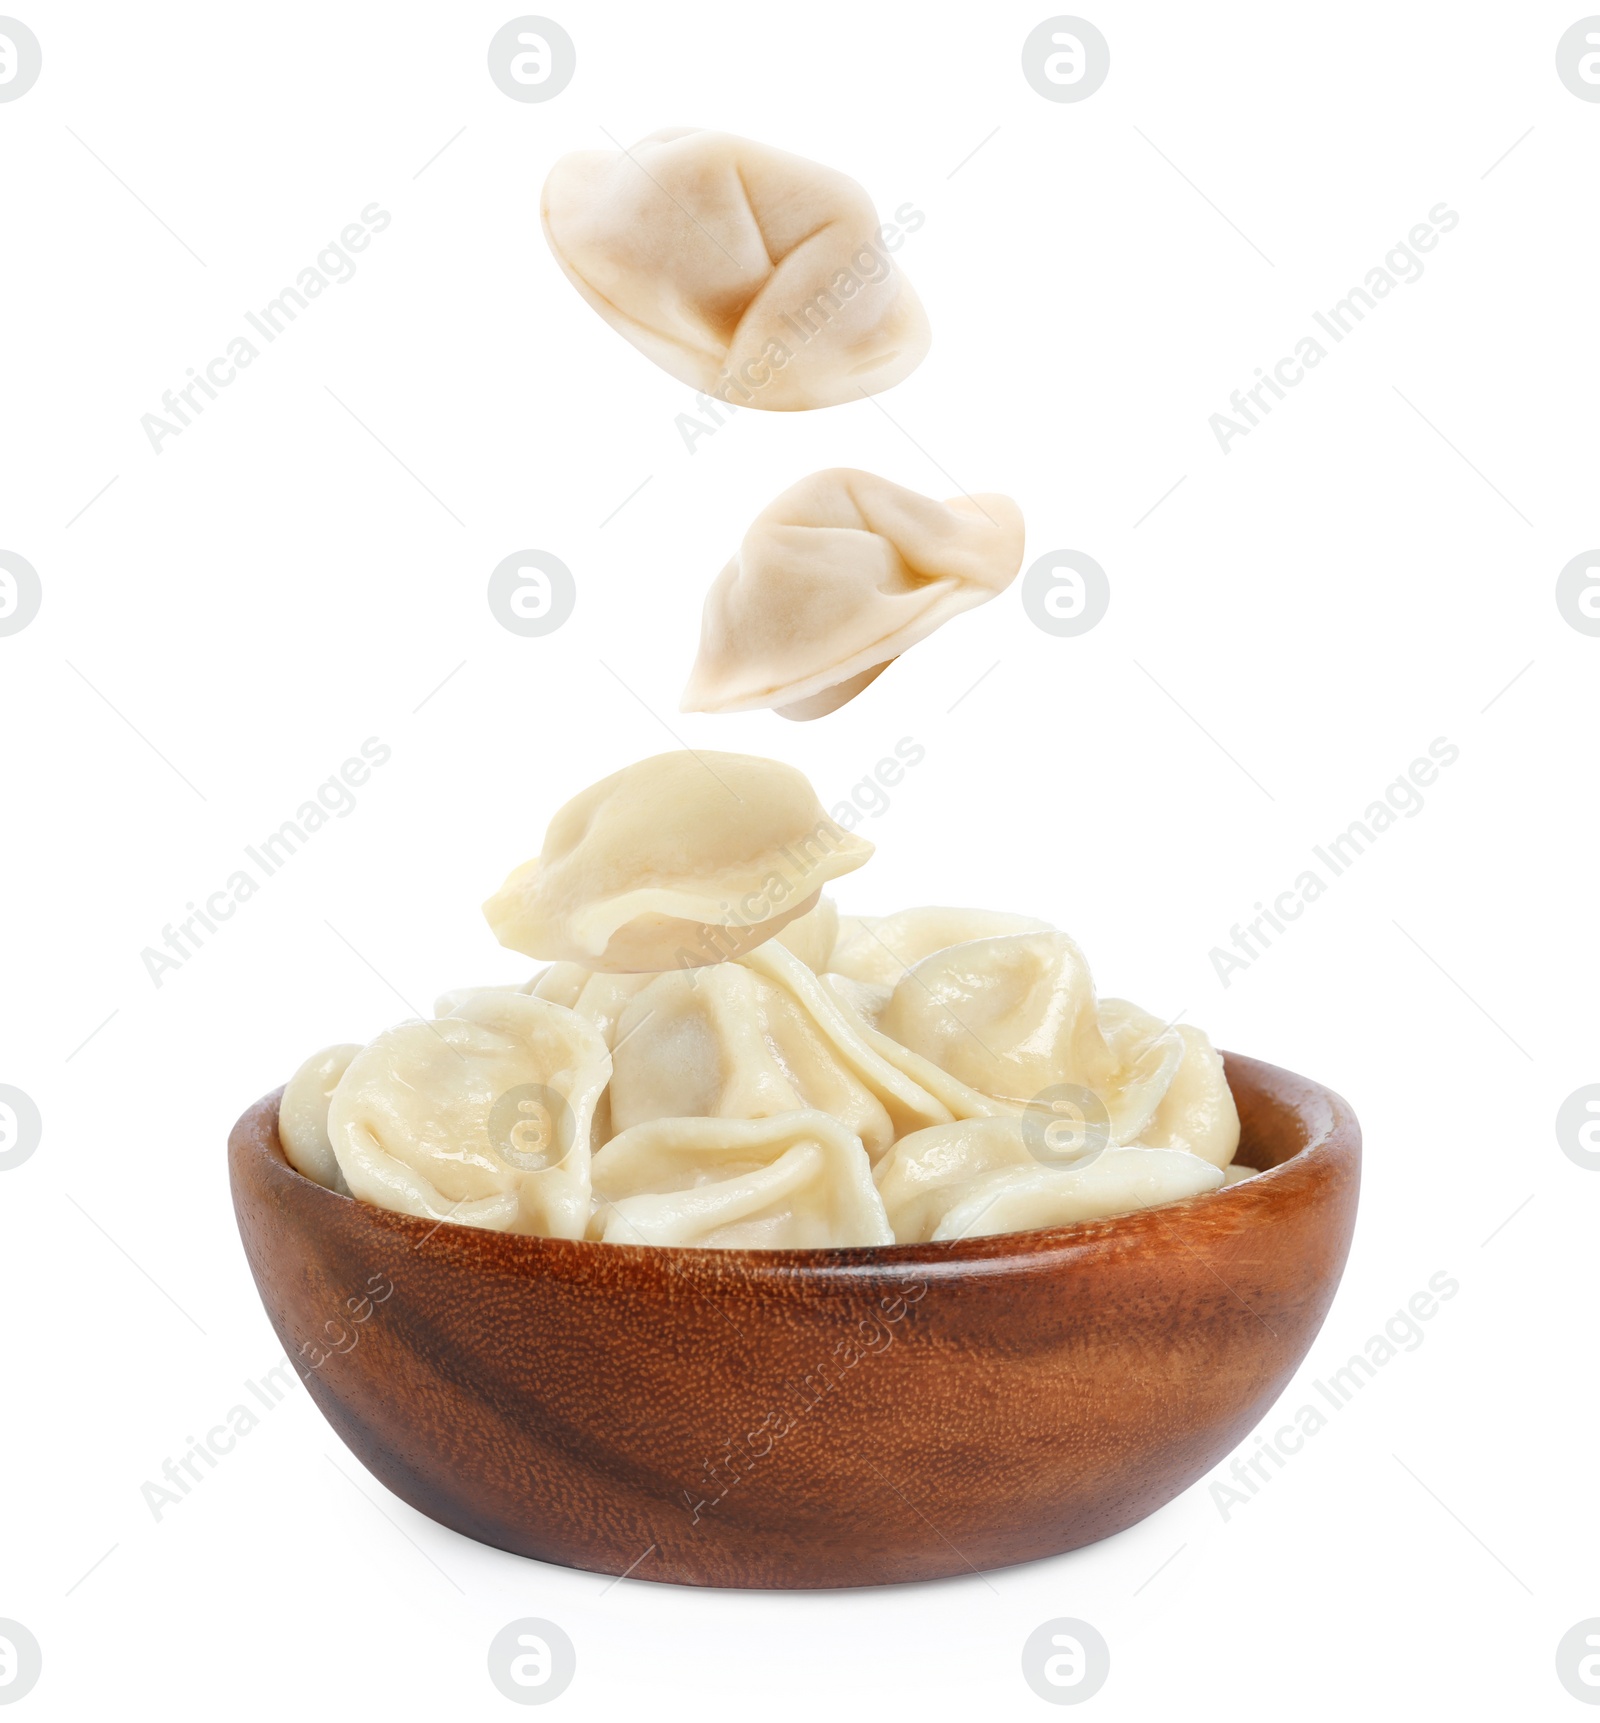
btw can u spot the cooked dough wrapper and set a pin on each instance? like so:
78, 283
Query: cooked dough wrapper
678, 861
303, 1115
797, 1180
864, 998
1118, 1182
835, 579
812, 936
1196, 1109
978, 1177
748, 273
1014, 1017
752, 1039
482, 1117
1010, 1016
911, 1104
881, 948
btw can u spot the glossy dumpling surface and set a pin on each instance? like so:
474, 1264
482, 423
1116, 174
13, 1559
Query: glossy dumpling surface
812, 936
482, 1117
1196, 1109
752, 1039
836, 578
880, 948
750, 274
303, 1114
678, 861
979, 1176
797, 1180
1010, 1016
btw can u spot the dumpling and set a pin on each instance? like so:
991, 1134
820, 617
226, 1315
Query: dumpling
675, 862
798, 1180
834, 580
603, 999
303, 1115
928, 1172
863, 1006
912, 1105
812, 936
1011, 1016
865, 998
1118, 1182
560, 983
752, 1039
482, 1117
978, 1177
881, 948
1015, 1018
449, 1001
1196, 1110
749, 274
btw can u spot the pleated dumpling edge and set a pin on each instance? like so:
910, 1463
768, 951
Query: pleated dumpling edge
834, 580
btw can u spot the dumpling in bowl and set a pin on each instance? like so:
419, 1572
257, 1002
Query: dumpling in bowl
1011, 1015
752, 1039
978, 1176
482, 1117
794, 1181
1015, 1018
880, 948
303, 1115
1196, 1111
834, 580
812, 936
749, 274
678, 861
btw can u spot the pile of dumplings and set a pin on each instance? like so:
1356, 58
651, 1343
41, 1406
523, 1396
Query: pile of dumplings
838, 1081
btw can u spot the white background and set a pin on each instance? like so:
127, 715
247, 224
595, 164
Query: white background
1327, 598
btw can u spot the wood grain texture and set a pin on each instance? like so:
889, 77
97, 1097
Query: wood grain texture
818, 1417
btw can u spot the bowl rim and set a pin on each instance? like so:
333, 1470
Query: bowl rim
1333, 1143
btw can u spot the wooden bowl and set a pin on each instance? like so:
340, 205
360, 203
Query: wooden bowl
809, 1417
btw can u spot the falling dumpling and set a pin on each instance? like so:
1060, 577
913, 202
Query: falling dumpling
881, 948
834, 580
303, 1115
678, 861
799, 1180
751, 275
1196, 1110
482, 1117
